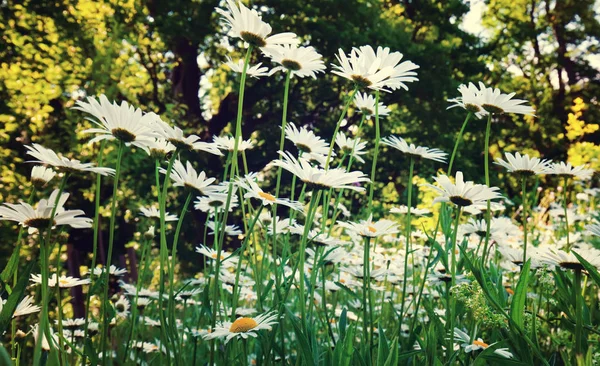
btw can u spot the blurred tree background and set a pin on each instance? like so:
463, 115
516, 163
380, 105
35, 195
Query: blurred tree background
167, 57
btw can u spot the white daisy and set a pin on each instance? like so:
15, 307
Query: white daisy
227, 143
355, 147
186, 176
122, 307
153, 212
463, 193
318, 178
413, 210
306, 141
282, 225
40, 176
523, 164
569, 171
400, 144
25, 307
300, 61
160, 148
113, 271
256, 71
243, 327
63, 281
248, 25
214, 200
212, 254
72, 322
40, 217
593, 229
61, 163
365, 103
375, 70
369, 228
496, 102
254, 191
122, 122
567, 260
45, 343
231, 230
470, 99
175, 136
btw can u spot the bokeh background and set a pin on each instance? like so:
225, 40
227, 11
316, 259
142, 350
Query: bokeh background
167, 57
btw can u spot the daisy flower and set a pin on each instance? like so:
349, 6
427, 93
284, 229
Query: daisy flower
45, 343
593, 229
63, 281
365, 103
282, 225
243, 327
306, 141
377, 70
355, 147
212, 254
61, 163
495, 102
40, 216
254, 191
247, 25
414, 151
186, 176
227, 143
371, 229
318, 178
470, 99
25, 307
463, 193
256, 71
231, 230
567, 260
566, 170
214, 200
477, 345
72, 323
175, 136
299, 61
122, 122
160, 148
40, 176
122, 307
153, 212
113, 271
403, 209
523, 164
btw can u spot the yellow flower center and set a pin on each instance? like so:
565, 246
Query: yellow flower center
266, 196
481, 344
241, 325
63, 282
372, 229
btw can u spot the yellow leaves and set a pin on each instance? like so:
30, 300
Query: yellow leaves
581, 153
576, 127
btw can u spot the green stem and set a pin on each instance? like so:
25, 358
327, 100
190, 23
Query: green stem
96, 226
375, 153
111, 239
525, 212
457, 142
367, 329
302, 252
337, 125
488, 211
408, 237
578, 314
450, 320
565, 206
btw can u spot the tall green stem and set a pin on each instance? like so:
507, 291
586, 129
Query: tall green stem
452, 315
488, 211
111, 240
457, 142
578, 313
566, 210
367, 327
408, 237
525, 213
337, 125
375, 153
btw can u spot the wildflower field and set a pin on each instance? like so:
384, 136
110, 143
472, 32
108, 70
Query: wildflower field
357, 243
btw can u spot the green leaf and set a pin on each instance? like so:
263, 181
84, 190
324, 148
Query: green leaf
593, 272
344, 350
517, 307
15, 297
302, 340
392, 359
383, 348
11, 266
343, 323
4, 357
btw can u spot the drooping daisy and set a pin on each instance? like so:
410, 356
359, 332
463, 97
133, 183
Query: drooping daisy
566, 170
63, 281
299, 61
175, 136
215, 201
243, 327
523, 164
375, 70
370, 228
365, 103
567, 260
477, 345
463, 193
256, 71
113, 271
153, 212
160, 148
186, 176
61, 163
40, 216
593, 229
40, 176
470, 99
45, 343
72, 323
122, 122
248, 25
318, 178
495, 102
231, 230
355, 147
415, 211
414, 151
254, 191
212, 254
306, 141
282, 225
25, 307
227, 143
